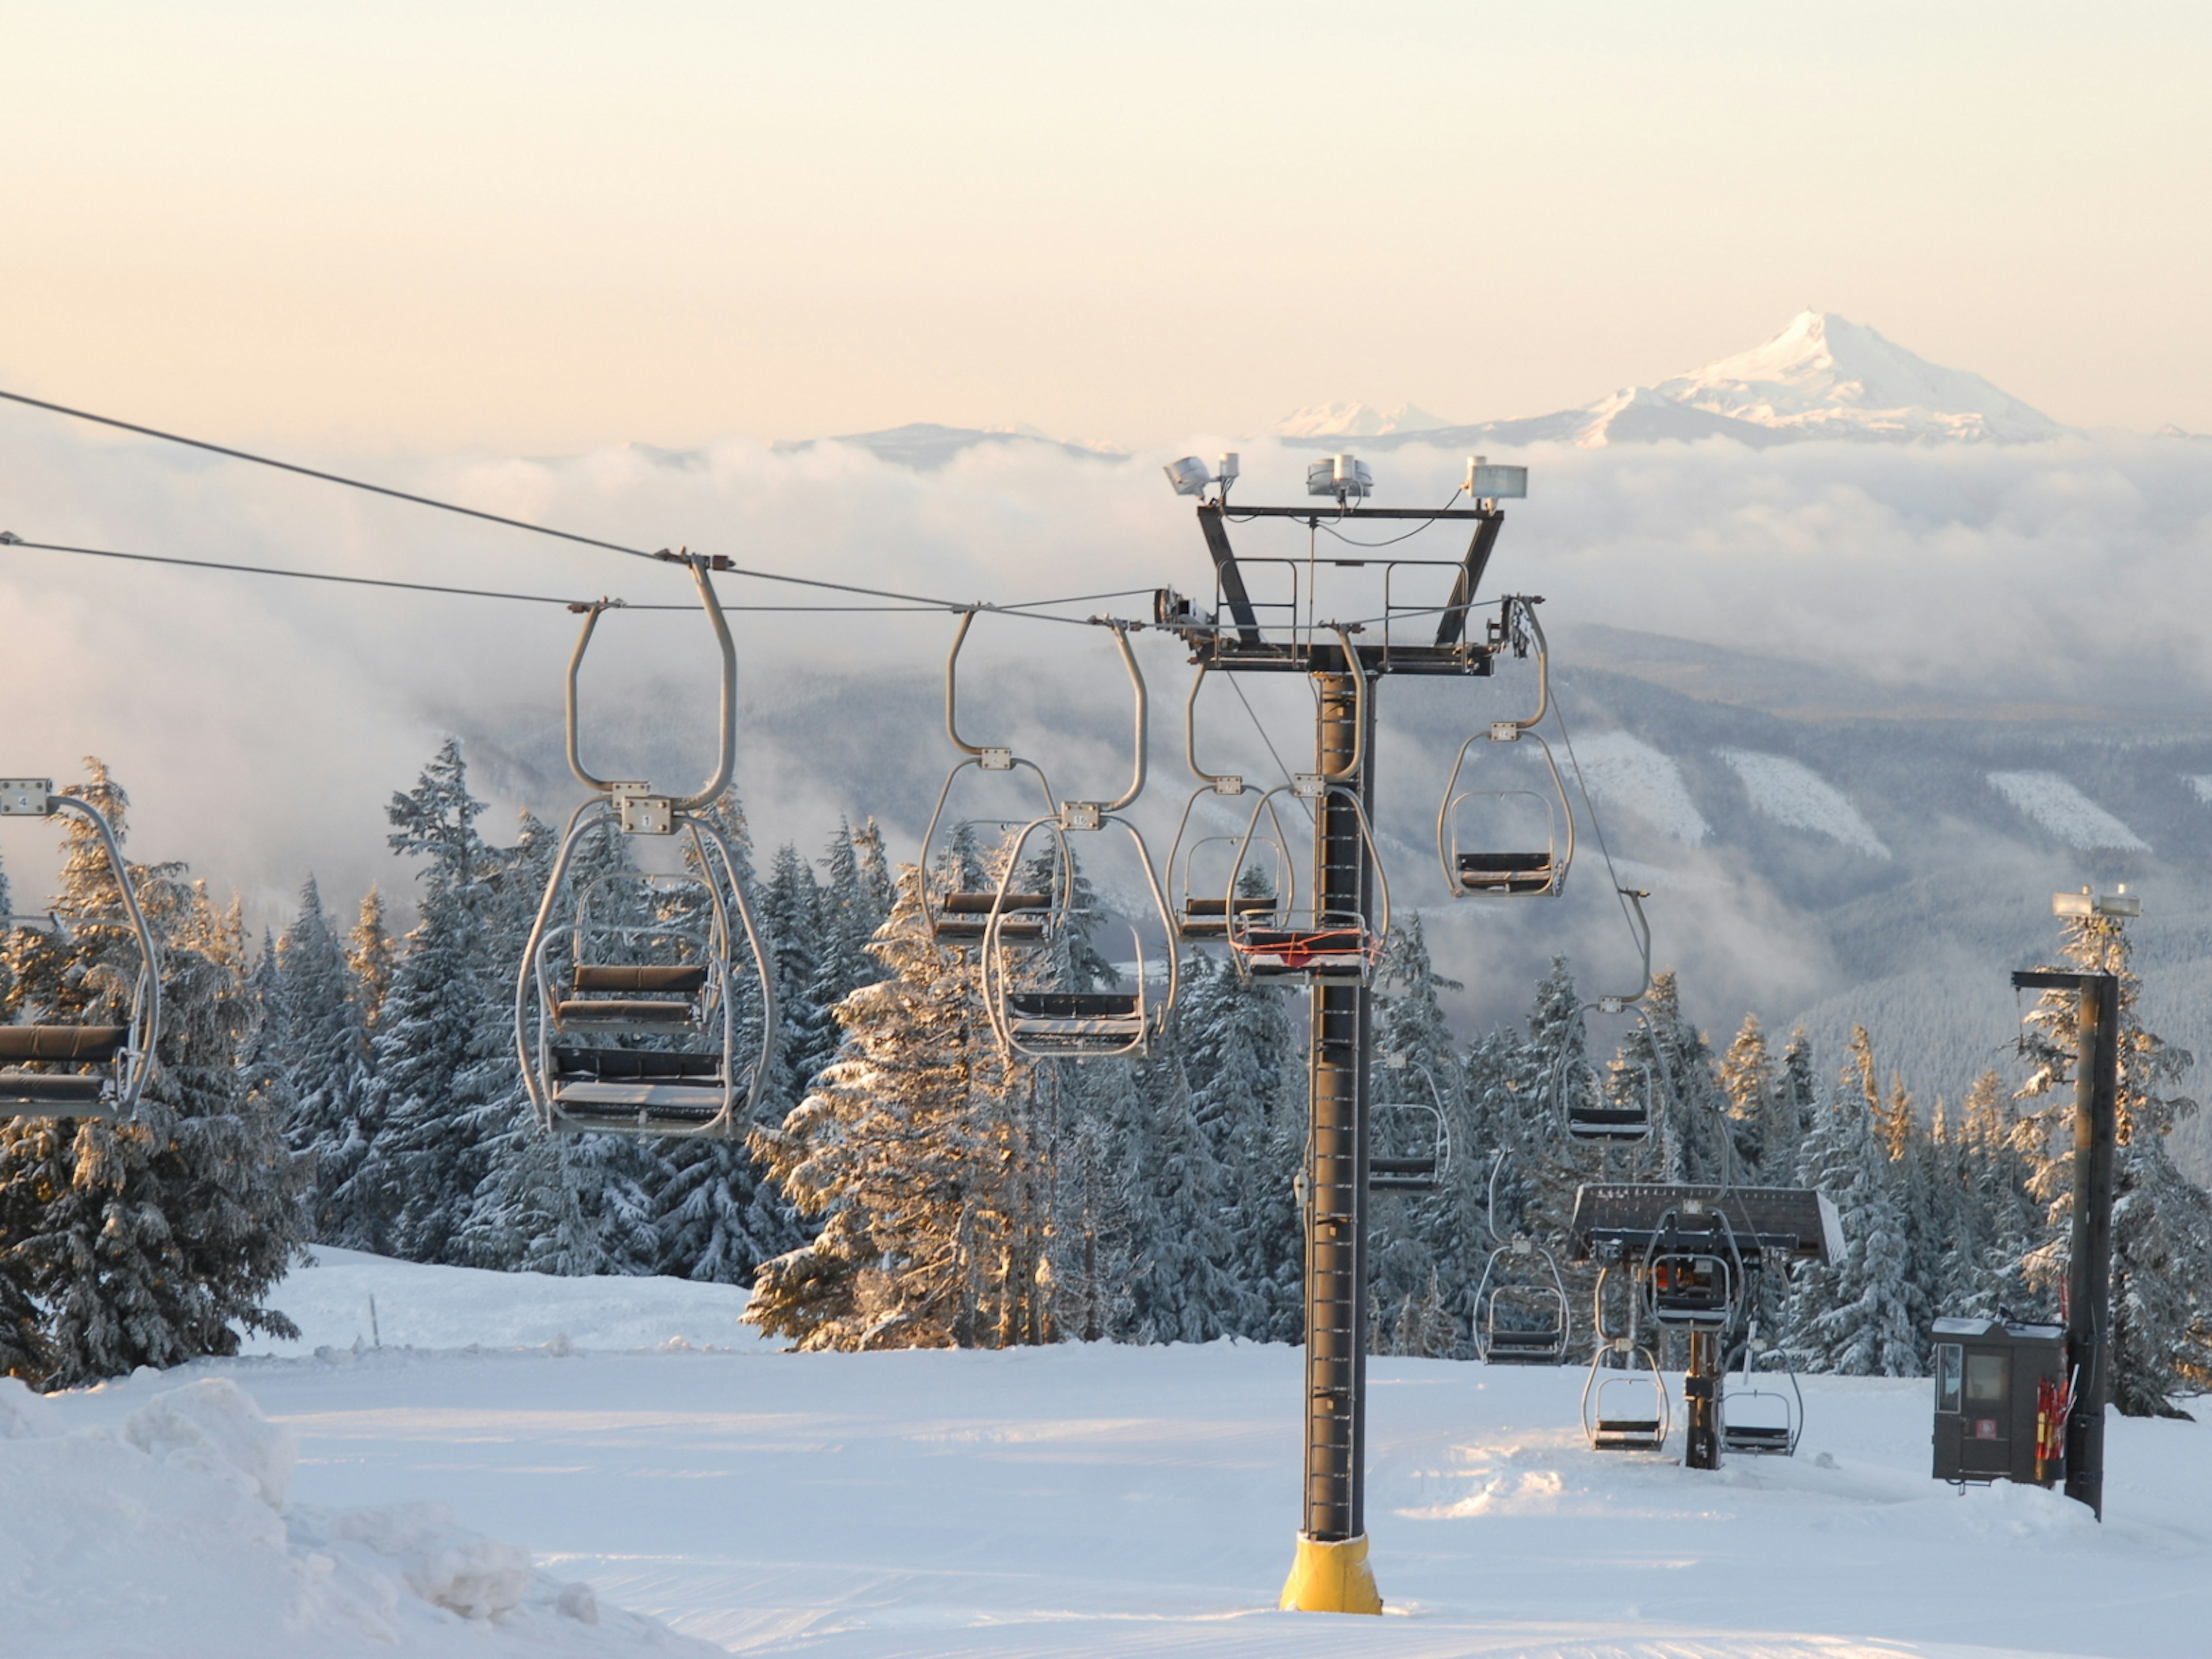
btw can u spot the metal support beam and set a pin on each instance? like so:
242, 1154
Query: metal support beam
1701, 1394
2089, 1255
1331, 1574
2089, 1264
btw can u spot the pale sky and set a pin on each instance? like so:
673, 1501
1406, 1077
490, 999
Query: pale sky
540, 227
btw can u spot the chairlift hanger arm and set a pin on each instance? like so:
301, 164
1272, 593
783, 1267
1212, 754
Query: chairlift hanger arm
727, 755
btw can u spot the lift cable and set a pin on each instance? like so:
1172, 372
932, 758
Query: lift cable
8, 539
661, 556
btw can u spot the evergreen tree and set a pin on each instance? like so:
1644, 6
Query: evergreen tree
915, 1151
411, 1195
1852, 1316
152, 1241
2161, 1221
313, 1011
1248, 1095
370, 954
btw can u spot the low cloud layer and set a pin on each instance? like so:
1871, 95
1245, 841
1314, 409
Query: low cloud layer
261, 726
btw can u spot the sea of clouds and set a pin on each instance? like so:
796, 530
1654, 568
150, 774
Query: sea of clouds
261, 726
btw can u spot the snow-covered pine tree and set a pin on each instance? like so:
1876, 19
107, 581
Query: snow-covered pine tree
1665, 1059
412, 1195
1187, 1286
791, 911
372, 956
1851, 1316
1247, 1094
1422, 1240
313, 1015
913, 1151
149, 1242
717, 1212
2161, 1221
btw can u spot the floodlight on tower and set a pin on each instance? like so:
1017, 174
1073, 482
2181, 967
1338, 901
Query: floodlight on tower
1345, 477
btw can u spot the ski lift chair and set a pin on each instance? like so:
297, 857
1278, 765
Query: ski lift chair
626, 1024
1692, 1273
1202, 910
1046, 1023
1411, 1139
1625, 1404
1521, 1321
1476, 866
1761, 1420
69, 1069
1329, 945
1587, 1112
1520, 1315
1627, 1408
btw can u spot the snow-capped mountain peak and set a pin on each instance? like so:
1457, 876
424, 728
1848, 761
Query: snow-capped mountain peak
1825, 375
1356, 420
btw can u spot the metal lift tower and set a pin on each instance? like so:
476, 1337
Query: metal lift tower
1270, 634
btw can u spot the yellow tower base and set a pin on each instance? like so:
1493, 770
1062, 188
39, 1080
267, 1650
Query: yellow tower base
1331, 1578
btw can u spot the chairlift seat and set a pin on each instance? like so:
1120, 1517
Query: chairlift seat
1505, 1346
1322, 952
1755, 1439
965, 917
1208, 918
634, 1084
1401, 1175
646, 977
1586, 1122
52, 1088
625, 1014
85, 1044
1508, 873
1629, 1434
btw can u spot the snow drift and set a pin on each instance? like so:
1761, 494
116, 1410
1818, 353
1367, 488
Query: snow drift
171, 1534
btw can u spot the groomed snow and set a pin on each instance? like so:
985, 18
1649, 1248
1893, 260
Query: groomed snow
1795, 795
1056, 1502
2066, 812
422, 1307
1624, 771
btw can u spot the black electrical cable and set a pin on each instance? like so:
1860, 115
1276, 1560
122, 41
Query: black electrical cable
659, 556
8, 539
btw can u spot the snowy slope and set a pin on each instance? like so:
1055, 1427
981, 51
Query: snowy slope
1793, 794
1101, 1500
1623, 771
2066, 812
424, 1307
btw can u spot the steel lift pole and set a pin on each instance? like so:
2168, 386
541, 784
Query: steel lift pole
1331, 1573
2089, 1258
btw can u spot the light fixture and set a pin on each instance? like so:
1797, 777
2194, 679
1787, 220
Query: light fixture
1188, 475
1343, 476
2085, 903
1225, 471
1487, 483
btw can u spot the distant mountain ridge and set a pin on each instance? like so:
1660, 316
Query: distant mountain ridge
1823, 376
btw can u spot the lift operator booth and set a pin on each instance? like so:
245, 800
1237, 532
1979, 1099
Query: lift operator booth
2001, 1400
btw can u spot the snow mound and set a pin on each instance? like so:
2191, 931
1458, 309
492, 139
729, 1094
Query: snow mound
1795, 795
213, 1426
167, 1534
350, 1298
1625, 772
2066, 812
